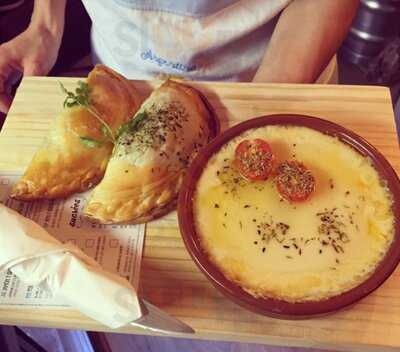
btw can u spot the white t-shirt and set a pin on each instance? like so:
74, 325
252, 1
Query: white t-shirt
197, 39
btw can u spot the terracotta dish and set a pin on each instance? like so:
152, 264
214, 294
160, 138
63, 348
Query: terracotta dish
263, 302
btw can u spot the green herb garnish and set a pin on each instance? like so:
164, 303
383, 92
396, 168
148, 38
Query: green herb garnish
81, 97
90, 142
132, 125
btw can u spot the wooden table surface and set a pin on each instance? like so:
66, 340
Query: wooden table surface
169, 278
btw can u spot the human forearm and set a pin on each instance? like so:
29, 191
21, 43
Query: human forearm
307, 35
34, 51
48, 15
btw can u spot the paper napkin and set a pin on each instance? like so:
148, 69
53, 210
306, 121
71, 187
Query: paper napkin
37, 258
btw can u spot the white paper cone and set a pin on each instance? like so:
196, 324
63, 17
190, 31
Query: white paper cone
37, 258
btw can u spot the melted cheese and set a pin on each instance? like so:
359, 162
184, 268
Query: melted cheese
273, 248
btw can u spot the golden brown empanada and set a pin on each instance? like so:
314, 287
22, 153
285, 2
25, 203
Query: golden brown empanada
145, 173
65, 164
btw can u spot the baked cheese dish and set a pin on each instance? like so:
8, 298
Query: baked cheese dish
300, 249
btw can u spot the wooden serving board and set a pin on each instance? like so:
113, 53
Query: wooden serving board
169, 278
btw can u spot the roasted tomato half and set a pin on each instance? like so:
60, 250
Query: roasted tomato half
294, 181
254, 159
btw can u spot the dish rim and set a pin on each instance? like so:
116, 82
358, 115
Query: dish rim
271, 306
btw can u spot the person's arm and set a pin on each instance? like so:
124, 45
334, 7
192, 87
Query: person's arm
34, 51
307, 35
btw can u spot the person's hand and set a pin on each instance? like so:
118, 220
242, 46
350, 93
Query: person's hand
32, 53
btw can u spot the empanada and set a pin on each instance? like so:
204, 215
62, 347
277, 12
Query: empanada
149, 161
69, 161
